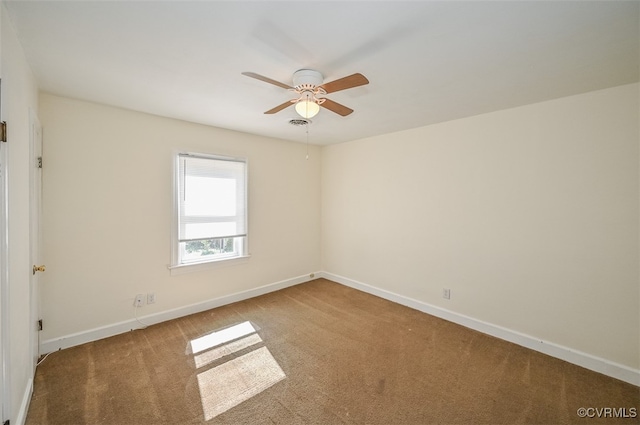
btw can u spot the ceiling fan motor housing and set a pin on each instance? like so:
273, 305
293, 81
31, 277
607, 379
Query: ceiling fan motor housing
307, 78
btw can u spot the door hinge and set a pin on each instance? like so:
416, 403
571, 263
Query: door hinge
40, 324
3, 131
39, 162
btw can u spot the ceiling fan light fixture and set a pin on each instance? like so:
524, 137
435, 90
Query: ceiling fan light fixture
307, 108
309, 84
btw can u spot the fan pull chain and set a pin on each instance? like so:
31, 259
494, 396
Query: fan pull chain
307, 126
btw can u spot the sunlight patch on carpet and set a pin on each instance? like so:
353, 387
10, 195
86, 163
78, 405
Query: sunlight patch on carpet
221, 337
234, 365
237, 380
212, 355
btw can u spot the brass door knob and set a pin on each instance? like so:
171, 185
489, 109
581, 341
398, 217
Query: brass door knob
38, 269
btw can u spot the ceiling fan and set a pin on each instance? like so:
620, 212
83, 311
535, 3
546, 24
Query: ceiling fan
309, 86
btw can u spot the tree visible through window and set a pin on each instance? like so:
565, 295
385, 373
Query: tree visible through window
210, 246
212, 208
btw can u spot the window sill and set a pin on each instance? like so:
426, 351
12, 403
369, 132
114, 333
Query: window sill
179, 269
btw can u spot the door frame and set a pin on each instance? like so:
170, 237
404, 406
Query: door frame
5, 376
35, 233
5, 381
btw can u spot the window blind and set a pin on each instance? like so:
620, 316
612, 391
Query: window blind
213, 199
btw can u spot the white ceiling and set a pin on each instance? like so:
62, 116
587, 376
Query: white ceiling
427, 61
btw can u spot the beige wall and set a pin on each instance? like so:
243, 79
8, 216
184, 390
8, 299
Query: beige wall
108, 210
529, 215
19, 96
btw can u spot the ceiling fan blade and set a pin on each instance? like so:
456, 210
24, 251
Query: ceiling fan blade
336, 107
266, 80
279, 107
354, 80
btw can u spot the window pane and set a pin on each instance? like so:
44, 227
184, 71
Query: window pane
210, 249
211, 208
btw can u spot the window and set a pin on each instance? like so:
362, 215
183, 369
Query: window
211, 209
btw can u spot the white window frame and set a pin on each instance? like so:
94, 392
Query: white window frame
178, 266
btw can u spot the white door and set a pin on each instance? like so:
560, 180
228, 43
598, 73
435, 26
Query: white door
35, 234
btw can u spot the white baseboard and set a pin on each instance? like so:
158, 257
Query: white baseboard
21, 417
79, 338
606, 367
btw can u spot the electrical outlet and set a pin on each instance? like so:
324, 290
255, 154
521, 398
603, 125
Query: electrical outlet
446, 293
151, 298
139, 300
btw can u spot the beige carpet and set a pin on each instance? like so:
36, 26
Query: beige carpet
318, 353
